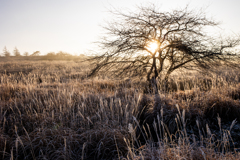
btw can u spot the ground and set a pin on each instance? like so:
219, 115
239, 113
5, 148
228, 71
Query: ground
52, 110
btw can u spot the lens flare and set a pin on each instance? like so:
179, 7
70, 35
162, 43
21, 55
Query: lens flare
152, 46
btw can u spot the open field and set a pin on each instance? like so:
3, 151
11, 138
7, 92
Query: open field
51, 110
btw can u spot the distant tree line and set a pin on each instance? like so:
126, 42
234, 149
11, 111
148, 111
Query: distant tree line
16, 53
58, 54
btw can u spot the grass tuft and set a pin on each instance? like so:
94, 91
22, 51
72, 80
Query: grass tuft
51, 110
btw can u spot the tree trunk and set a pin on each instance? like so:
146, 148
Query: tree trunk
152, 83
165, 82
152, 86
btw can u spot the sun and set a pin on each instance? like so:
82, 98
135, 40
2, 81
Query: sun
152, 46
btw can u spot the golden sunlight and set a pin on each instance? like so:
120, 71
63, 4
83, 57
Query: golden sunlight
152, 46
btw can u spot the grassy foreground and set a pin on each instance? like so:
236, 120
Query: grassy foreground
51, 110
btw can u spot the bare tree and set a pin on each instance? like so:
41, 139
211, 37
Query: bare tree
6, 53
62, 54
16, 52
51, 54
36, 53
153, 44
26, 54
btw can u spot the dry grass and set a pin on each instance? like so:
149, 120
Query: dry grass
50, 110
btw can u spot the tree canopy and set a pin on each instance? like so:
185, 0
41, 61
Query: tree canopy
153, 44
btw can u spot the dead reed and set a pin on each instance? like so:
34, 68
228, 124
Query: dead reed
50, 110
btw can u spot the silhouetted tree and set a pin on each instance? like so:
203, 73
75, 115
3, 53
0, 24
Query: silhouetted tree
16, 52
50, 54
26, 54
6, 53
62, 54
36, 53
153, 44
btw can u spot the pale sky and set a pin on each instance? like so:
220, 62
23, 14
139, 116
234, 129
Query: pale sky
73, 25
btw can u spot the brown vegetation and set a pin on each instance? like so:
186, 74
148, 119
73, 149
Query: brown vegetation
51, 110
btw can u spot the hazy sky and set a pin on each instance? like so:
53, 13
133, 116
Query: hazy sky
72, 25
